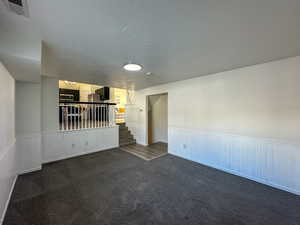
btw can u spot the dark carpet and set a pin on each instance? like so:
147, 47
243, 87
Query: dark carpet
115, 187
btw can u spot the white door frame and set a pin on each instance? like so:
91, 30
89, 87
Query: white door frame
146, 114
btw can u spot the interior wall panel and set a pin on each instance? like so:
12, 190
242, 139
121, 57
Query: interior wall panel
63, 145
245, 121
268, 161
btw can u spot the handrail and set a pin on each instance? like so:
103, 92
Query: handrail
88, 103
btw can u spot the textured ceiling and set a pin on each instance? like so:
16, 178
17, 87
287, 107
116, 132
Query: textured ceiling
90, 40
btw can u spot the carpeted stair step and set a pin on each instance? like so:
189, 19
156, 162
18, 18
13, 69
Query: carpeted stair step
123, 132
126, 139
125, 136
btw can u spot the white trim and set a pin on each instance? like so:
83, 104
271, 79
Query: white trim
277, 186
77, 155
82, 129
8, 200
30, 170
147, 114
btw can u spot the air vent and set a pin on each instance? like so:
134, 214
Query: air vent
16, 2
18, 7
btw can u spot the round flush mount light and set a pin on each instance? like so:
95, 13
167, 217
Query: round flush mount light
132, 67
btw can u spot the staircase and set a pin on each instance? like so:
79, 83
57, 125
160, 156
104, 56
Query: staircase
125, 137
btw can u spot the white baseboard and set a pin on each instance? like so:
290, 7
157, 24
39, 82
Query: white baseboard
8, 200
30, 170
78, 155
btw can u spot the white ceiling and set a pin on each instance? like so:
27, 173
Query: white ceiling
22, 69
90, 40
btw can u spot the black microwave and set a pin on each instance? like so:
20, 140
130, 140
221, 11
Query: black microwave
69, 95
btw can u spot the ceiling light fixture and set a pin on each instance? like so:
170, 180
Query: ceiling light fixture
132, 67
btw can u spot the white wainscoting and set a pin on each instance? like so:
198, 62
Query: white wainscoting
272, 162
62, 145
8, 176
29, 150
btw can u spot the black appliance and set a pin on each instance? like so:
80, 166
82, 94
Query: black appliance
104, 93
69, 95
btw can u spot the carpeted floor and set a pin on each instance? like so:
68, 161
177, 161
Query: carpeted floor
115, 187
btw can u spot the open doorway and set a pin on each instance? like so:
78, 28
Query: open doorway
157, 130
158, 120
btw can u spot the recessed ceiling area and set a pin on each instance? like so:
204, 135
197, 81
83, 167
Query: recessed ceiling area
90, 41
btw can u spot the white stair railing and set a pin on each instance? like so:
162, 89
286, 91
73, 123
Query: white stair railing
85, 115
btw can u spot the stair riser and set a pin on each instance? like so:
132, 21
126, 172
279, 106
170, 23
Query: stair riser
124, 132
125, 141
125, 136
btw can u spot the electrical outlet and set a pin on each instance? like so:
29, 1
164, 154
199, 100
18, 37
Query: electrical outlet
86, 143
73, 145
184, 146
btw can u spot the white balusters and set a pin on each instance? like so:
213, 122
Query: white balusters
61, 110
101, 116
94, 119
66, 117
106, 112
89, 116
86, 116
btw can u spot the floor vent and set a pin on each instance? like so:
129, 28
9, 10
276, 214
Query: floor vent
19, 7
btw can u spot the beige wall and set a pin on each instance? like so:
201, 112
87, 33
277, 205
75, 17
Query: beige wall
119, 97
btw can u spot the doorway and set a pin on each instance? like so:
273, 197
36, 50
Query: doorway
157, 114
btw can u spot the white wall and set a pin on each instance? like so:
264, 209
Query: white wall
57, 145
159, 117
244, 121
8, 159
28, 125
50, 101
62, 145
